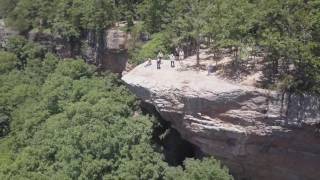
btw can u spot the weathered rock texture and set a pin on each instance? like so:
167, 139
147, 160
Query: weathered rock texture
53, 43
242, 126
5, 33
116, 53
108, 49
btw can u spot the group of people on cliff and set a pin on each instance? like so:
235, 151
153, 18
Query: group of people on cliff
177, 55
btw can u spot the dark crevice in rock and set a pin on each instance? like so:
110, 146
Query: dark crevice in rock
245, 128
169, 141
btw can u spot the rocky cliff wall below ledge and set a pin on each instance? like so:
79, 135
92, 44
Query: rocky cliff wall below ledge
243, 126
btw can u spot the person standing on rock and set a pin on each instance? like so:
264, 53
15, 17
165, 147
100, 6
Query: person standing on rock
172, 59
149, 62
160, 56
158, 63
176, 53
181, 55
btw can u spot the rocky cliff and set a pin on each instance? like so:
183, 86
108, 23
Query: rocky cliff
245, 127
107, 50
116, 52
5, 33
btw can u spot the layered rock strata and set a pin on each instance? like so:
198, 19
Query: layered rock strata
108, 49
246, 128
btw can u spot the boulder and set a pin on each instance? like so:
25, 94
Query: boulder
247, 128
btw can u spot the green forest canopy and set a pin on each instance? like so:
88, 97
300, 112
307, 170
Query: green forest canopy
60, 119
287, 31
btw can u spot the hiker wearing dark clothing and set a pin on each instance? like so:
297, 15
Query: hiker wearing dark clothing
158, 63
160, 56
172, 59
176, 53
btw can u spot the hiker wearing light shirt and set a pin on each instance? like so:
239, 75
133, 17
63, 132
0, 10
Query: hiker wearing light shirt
181, 55
172, 58
160, 55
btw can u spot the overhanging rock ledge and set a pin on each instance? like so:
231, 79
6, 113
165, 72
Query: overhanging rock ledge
242, 126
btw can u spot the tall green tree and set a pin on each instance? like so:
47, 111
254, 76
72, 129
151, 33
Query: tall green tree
189, 25
65, 121
155, 14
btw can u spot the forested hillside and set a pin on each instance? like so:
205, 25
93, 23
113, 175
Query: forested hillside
64, 119
61, 120
286, 31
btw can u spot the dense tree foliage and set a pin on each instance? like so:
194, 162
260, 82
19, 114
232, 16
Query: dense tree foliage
194, 169
60, 119
141, 52
286, 31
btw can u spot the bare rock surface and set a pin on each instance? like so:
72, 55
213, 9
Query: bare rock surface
115, 56
110, 55
243, 126
116, 39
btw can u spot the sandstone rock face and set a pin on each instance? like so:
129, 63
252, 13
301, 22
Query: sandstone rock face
244, 127
108, 51
5, 33
54, 44
110, 54
116, 53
